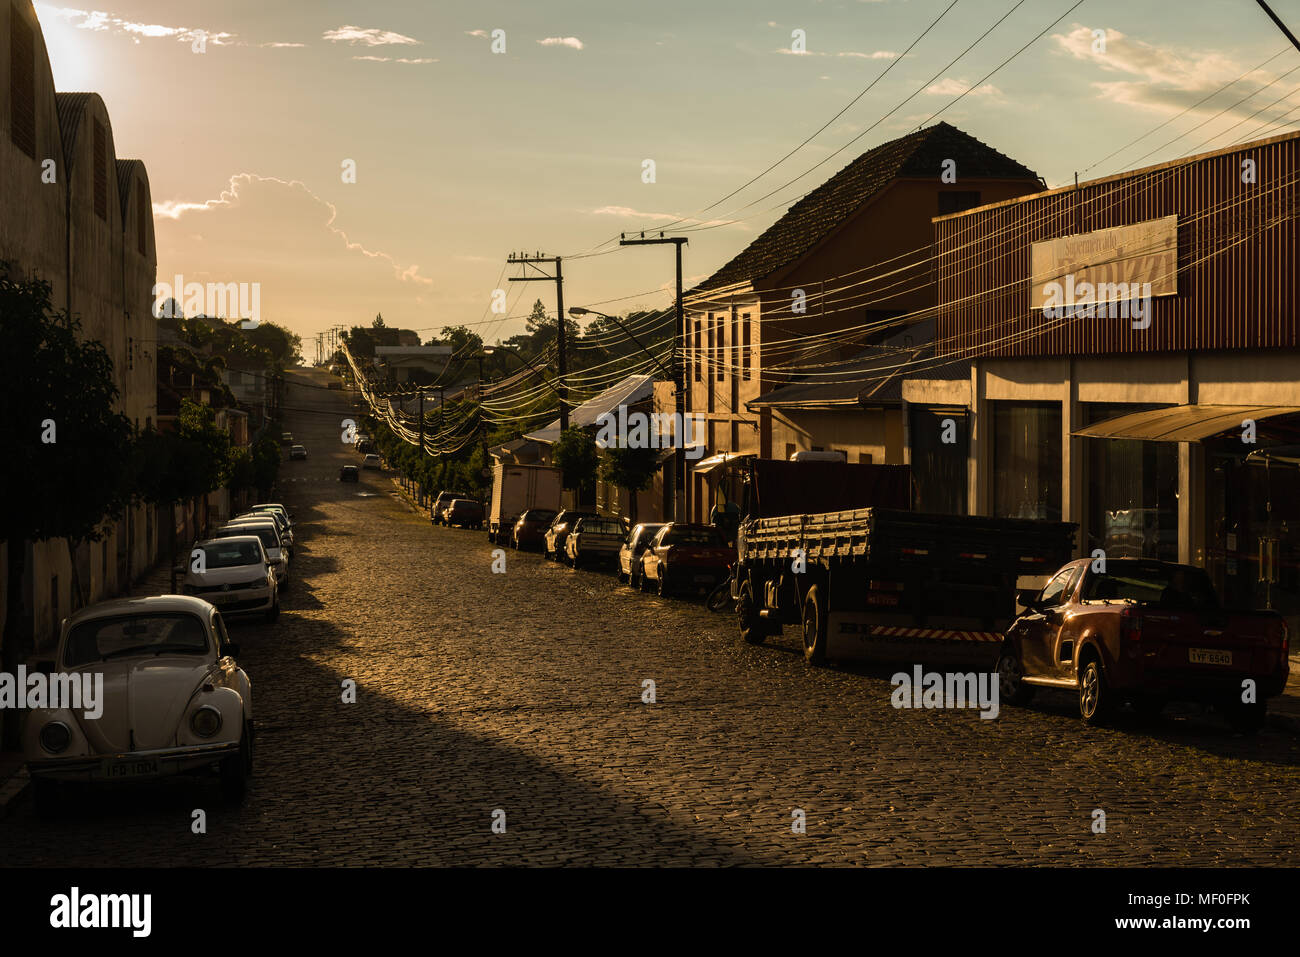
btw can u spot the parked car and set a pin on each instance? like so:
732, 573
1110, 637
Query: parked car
629, 554
685, 556
286, 438
274, 507
237, 577
282, 523
349, 473
530, 529
174, 699
441, 502
594, 540
371, 461
464, 512
1146, 632
556, 532
297, 452
266, 530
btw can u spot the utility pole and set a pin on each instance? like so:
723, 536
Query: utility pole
1278, 22
560, 336
682, 406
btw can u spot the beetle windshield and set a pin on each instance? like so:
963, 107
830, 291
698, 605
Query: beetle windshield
136, 634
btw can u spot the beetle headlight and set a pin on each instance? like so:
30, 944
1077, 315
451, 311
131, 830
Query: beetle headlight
55, 737
206, 721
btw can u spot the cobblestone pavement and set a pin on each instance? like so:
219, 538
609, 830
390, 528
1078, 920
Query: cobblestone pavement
522, 692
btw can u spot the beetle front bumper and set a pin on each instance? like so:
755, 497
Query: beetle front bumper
133, 765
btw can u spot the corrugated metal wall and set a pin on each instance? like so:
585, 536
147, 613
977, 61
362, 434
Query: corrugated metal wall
1237, 249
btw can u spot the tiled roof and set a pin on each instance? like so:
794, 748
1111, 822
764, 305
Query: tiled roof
821, 212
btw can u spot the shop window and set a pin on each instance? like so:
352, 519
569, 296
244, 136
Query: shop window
864, 458
22, 81
1132, 491
1027, 460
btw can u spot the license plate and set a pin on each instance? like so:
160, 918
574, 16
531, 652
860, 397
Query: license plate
218, 599
143, 767
1209, 656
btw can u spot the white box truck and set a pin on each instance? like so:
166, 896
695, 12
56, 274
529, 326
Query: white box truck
517, 488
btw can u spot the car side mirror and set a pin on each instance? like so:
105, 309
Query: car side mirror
1028, 597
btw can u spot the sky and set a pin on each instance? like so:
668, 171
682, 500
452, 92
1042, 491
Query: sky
249, 117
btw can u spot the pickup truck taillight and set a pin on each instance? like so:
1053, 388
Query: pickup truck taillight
1130, 624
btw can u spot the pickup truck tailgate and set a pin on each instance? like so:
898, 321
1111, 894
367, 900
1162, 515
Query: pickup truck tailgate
1207, 642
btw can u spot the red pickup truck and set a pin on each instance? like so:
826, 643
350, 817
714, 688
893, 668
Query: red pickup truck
1147, 632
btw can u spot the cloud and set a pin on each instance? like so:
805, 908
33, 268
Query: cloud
1166, 65
950, 87
99, 21
370, 37
627, 212
476, 33
295, 225
572, 42
875, 55
281, 46
389, 59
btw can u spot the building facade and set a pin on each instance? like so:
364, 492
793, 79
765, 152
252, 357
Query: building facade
78, 217
821, 285
1126, 355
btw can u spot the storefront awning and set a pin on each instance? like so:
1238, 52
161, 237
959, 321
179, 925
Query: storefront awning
1182, 423
713, 463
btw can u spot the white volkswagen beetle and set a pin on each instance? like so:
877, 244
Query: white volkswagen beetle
171, 699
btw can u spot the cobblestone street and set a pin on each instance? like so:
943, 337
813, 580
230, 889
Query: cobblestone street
523, 692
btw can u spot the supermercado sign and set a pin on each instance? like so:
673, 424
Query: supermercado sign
1105, 265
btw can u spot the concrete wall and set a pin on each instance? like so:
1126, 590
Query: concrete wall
92, 259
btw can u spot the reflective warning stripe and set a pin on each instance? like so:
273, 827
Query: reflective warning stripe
936, 634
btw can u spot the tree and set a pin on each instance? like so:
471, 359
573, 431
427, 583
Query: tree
632, 469
543, 329
66, 473
462, 340
575, 456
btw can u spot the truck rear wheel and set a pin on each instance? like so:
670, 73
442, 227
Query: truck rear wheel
814, 626
751, 626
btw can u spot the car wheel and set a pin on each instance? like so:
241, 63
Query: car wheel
751, 625
643, 581
236, 769
273, 612
814, 626
1011, 672
1094, 694
1247, 718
